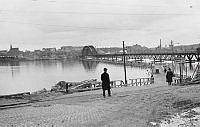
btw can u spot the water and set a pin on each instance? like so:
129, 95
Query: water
35, 75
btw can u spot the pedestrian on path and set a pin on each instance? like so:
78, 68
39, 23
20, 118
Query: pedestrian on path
169, 76
165, 70
105, 82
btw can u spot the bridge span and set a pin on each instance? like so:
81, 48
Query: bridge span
91, 53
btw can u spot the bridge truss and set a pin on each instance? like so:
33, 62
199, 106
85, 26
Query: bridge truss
189, 56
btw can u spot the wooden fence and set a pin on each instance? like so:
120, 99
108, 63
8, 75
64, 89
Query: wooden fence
132, 82
113, 84
141, 81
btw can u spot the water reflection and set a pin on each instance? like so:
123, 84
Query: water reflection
69, 63
9, 63
45, 64
13, 67
31, 76
89, 65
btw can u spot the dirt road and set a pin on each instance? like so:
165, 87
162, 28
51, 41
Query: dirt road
128, 107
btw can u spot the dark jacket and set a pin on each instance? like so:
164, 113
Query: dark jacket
105, 81
169, 76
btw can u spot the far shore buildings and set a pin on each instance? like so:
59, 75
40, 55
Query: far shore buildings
13, 51
71, 48
74, 52
3, 52
49, 49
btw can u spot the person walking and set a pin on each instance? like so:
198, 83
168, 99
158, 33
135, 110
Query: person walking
105, 82
165, 70
169, 76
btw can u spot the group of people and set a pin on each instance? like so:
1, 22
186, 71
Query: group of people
106, 80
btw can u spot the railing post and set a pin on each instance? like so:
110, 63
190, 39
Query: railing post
136, 82
131, 82
152, 80
144, 83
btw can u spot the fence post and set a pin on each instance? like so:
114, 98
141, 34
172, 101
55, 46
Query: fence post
152, 79
111, 84
136, 82
131, 82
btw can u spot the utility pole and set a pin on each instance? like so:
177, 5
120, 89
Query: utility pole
172, 46
160, 44
160, 51
172, 56
181, 63
124, 63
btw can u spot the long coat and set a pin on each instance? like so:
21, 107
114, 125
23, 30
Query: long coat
105, 81
169, 76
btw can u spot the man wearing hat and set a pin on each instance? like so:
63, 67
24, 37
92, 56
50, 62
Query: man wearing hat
105, 82
169, 76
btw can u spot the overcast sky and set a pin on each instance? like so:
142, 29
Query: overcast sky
34, 24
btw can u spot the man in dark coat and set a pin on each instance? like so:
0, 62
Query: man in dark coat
169, 76
105, 82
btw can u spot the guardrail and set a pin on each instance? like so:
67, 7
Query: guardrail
95, 85
141, 81
117, 83
178, 75
176, 79
132, 82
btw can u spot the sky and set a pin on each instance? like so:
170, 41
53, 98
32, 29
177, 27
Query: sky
37, 24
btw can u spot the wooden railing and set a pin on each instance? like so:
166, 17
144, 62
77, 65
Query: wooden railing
117, 83
132, 82
141, 81
94, 85
178, 76
176, 79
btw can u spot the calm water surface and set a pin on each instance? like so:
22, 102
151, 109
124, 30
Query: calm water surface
35, 75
